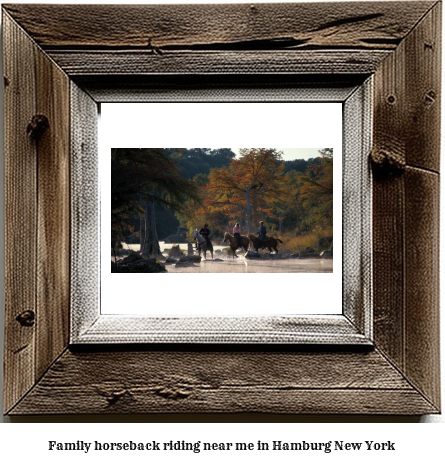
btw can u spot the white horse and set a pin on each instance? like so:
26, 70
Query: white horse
202, 244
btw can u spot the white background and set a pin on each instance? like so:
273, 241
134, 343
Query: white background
290, 125
27, 443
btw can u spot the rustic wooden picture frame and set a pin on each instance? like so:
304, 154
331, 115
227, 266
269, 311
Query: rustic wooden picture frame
57, 58
346, 317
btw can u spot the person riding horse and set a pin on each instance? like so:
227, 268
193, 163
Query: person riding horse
262, 232
205, 233
203, 243
237, 234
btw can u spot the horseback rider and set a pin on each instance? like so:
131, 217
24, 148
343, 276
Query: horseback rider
262, 232
237, 234
205, 233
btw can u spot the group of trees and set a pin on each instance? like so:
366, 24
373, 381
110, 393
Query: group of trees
249, 188
192, 162
312, 206
141, 178
260, 186
212, 186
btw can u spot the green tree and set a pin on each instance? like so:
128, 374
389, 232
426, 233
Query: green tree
141, 178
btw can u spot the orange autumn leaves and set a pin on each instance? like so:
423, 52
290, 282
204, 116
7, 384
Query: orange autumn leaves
317, 187
251, 188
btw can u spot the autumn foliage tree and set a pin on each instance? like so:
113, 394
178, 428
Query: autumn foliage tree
256, 187
317, 190
313, 198
248, 187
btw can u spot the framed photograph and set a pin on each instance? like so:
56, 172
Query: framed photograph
253, 326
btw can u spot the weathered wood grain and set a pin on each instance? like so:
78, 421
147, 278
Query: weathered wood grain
399, 42
37, 218
53, 228
108, 329
20, 213
388, 200
423, 91
422, 323
79, 63
357, 209
153, 27
85, 208
223, 382
406, 132
388, 268
407, 115
218, 87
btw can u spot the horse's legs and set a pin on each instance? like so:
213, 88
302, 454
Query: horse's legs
276, 250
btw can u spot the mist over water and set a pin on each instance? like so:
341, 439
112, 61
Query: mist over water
241, 265
224, 264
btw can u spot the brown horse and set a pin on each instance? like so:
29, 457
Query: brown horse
233, 241
269, 243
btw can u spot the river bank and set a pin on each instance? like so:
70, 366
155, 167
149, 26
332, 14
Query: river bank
223, 263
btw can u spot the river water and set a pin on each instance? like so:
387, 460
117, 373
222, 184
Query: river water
241, 265
223, 264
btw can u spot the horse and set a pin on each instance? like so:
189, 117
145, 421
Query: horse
233, 241
269, 243
203, 244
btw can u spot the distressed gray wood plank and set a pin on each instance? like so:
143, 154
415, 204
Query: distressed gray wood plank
20, 213
239, 381
408, 97
349, 24
53, 230
389, 144
422, 281
388, 268
423, 92
182, 381
84, 205
78, 62
406, 131
388, 201
108, 329
357, 209
219, 88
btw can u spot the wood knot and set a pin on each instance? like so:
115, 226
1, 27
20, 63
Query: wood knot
430, 97
113, 396
26, 318
5, 81
387, 163
172, 393
37, 126
391, 99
